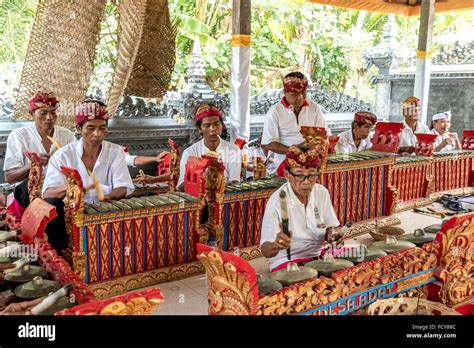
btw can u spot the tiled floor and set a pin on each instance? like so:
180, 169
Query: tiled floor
189, 296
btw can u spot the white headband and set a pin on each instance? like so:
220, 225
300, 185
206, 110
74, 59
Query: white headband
442, 116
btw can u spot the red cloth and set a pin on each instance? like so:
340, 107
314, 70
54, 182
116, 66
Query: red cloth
16, 209
365, 118
42, 100
207, 110
295, 84
91, 110
240, 143
281, 169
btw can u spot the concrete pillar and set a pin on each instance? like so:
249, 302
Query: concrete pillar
423, 56
240, 75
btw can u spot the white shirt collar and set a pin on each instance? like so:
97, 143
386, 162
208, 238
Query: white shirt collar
80, 151
293, 198
351, 138
417, 127
219, 147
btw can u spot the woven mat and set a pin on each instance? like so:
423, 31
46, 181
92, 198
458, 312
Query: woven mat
146, 42
131, 19
156, 56
60, 55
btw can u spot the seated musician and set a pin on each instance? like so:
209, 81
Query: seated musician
310, 212
411, 109
357, 139
91, 154
210, 124
446, 141
33, 138
283, 122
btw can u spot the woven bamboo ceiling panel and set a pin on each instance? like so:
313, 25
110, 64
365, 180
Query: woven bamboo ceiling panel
156, 55
60, 54
131, 19
146, 51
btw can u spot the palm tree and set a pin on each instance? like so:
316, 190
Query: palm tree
16, 20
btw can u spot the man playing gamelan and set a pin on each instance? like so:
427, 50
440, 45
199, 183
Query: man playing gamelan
310, 212
411, 109
90, 155
357, 138
34, 138
210, 124
284, 120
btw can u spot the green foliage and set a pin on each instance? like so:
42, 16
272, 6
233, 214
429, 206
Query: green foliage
325, 42
16, 20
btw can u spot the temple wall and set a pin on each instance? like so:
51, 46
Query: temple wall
149, 136
448, 91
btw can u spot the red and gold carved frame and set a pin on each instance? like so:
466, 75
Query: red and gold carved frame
233, 288
35, 176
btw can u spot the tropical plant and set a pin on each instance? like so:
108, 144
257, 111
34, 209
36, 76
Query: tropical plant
326, 43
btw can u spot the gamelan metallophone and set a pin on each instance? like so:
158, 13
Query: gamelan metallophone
131, 242
242, 211
409, 183
82, 300
436, 270
356, 183
452, 171
417, 180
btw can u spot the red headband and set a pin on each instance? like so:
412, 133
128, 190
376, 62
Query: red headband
295, 84
206, 110
91, 110
42, 100
365, 118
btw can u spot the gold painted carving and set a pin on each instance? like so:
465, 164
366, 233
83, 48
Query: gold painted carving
229, 291
408, 306
457, 273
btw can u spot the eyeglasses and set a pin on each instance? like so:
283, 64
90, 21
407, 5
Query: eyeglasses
302, 177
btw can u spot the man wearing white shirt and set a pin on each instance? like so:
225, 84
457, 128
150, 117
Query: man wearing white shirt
91, 154
311, 215
357, 138
283, 122
411, 109
33, 138
209, 123
445, 141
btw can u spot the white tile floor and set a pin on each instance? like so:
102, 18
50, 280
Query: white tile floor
189, 296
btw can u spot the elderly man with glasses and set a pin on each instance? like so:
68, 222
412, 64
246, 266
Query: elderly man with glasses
311, 216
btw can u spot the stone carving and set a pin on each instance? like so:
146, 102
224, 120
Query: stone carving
455, 54
137, 107
387, 55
